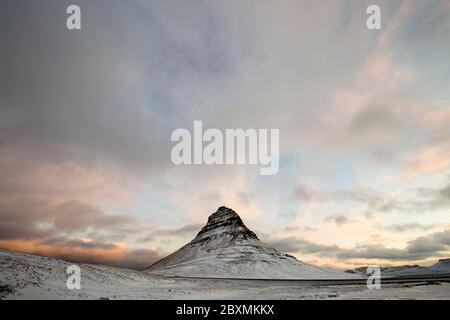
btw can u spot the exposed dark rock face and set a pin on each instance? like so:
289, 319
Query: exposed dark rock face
224, 222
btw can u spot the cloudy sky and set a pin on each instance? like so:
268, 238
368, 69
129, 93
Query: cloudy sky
364, 117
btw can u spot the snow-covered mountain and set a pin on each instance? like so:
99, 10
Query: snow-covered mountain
442, 266
226, 248
406, 269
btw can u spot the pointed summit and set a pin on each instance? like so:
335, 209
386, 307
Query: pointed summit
224, 223
226, 248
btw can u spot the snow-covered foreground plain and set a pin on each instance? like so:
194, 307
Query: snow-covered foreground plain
25, 276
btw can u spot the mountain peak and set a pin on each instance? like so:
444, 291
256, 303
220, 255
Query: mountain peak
223, 213
225, 222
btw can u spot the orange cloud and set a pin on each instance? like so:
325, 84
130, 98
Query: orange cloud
83, 251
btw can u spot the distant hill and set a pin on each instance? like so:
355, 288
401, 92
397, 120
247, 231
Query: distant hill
442, 266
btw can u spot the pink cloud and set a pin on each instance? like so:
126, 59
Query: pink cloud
430, 159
